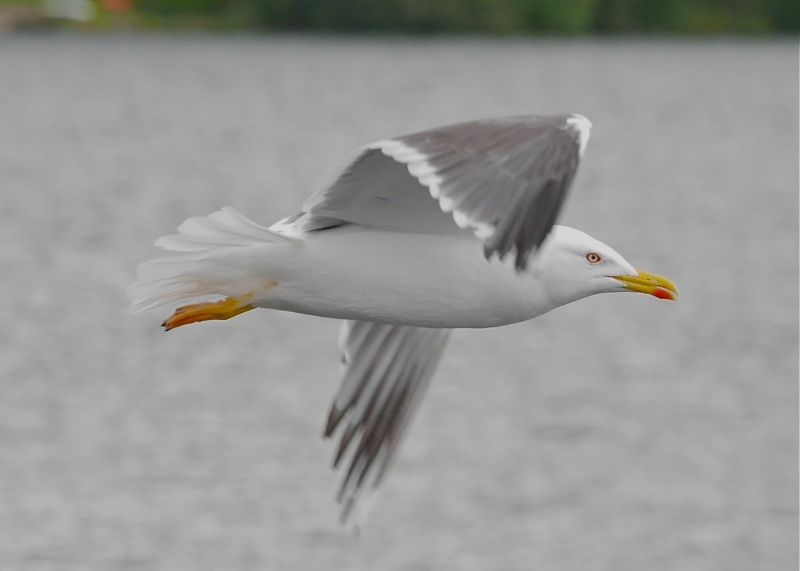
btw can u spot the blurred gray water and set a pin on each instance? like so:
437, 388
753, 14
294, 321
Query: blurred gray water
617, 433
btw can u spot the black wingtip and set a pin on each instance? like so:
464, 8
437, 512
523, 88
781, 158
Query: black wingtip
333, 421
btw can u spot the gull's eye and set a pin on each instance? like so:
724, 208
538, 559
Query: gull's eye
593, 258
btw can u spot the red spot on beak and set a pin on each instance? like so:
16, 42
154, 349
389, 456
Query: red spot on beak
663, 294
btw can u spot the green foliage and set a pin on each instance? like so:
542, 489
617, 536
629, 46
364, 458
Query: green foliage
561, 17
565, 17
524, 16
783, 16
181, 7
682, 16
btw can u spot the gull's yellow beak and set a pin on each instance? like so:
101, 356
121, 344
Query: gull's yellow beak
650, 284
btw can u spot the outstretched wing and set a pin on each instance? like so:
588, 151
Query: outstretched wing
387, 369
504, 180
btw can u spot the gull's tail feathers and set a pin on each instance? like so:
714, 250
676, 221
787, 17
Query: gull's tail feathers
217, 257
225, 227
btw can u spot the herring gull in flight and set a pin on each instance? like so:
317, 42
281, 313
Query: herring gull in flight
448, 228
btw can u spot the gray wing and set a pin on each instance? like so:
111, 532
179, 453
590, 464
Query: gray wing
387, 369
504, 180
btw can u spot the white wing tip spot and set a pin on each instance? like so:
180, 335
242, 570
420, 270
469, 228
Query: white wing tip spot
581, 128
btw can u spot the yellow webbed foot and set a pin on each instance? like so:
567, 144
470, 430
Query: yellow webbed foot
223, 309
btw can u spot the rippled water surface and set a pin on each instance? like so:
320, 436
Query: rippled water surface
620, 433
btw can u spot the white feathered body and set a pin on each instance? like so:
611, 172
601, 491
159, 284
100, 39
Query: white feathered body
353, 272
360, 273
357, 272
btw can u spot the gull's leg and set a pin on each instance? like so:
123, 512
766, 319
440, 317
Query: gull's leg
223, 309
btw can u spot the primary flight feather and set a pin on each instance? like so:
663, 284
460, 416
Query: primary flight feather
448, 228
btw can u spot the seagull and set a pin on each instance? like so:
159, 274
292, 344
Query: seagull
453, 227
